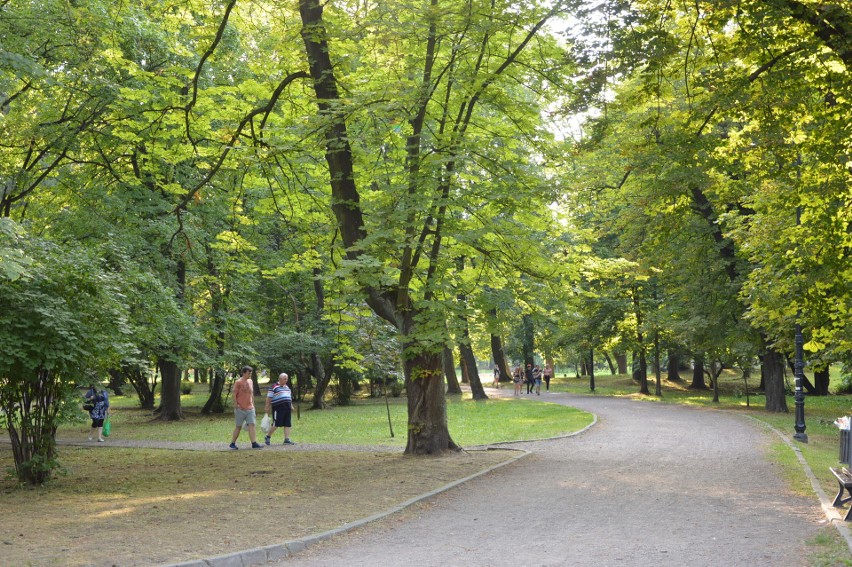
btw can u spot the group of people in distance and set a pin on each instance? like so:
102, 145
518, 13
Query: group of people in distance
279, 403
532, 376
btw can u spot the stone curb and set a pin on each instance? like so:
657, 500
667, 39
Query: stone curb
831, 513
262, 555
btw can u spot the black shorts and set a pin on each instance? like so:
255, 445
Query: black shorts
97, 422
282, 415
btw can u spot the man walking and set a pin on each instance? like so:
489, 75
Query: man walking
279, 402
244, 408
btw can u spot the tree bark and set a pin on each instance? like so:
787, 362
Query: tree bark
698, 382
499, 356
170, 409
453, 386
609, 363
621, 361
476, 389
428, 433
821, 381
773, 365
673, 367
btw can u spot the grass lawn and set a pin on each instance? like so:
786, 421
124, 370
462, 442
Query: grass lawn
364, 422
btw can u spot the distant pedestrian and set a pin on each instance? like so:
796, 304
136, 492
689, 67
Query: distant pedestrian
547, 375
537, 379
516, 379
279, 402
99, 400
528, 378
496, 383
244, 408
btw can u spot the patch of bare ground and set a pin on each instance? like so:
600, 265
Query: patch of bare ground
142, 506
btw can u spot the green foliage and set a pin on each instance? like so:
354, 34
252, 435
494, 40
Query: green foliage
63, 316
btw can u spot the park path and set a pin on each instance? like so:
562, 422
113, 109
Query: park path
649, 485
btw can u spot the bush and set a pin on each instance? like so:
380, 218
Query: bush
186, 388
396, 388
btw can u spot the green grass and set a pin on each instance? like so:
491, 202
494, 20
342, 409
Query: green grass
365, 422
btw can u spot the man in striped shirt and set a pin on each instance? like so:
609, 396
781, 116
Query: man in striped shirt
279, 402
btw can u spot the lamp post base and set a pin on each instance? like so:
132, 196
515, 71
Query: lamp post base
801, 437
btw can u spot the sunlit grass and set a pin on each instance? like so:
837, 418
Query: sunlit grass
364, 422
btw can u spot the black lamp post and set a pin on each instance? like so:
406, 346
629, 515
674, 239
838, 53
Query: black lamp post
800, 395
799, 365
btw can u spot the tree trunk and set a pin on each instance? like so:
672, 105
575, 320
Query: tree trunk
465, 372
698, 382
529, 340
621, 361
428, 433
427, 416
453, 386
499, 356
215, 403
658, 387
609, 363
170, 409
821, 381
773, 371
673, 367
476, 389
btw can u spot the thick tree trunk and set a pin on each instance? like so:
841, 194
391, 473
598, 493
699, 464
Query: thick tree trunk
773, 372
698, 382
673, 367
821, 381
453, 386
170, 409
428, 433
621, 361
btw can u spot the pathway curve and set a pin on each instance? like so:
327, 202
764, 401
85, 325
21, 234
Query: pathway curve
649, 485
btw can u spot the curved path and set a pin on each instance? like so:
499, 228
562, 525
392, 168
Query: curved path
649, 485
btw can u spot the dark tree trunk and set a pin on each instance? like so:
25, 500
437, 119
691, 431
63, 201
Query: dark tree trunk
465, 373
476, 389
215, 403
116, 381
821, 381
673, 367
499, 356
772, 363
528, 340
453, 386
612, 369
698, 382
318, 367
170, 409
621, 361
428, 433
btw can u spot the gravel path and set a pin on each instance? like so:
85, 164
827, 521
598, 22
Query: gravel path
649, 485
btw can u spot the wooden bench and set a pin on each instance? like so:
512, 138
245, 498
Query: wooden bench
844, 483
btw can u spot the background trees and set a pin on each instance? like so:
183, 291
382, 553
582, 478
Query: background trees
239, 178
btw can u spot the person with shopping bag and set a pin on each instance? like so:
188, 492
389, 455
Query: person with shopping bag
279, 402
97, 403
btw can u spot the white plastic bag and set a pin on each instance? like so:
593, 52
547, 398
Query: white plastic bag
264, 423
